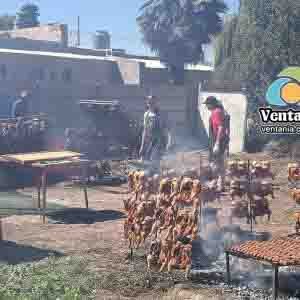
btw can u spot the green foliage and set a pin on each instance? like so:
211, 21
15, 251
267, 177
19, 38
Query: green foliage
176, 30
58, 278
28, 16
224, 41
255, 47
261, 41
7, 22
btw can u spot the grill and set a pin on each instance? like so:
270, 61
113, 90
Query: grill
284, 251
113, 105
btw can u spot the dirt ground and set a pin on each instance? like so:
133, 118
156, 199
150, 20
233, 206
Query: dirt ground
99, 237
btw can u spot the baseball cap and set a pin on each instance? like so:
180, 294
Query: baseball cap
211, 100
151, 98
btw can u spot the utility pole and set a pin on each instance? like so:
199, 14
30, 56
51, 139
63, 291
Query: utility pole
78, 31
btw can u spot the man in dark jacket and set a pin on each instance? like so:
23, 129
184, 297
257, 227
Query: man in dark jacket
219, 131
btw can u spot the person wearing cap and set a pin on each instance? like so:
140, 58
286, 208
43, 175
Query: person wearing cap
218, 137
20, 107
153, 134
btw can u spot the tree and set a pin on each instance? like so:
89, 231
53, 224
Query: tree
265, 40
7, 22
224, 44
176, 30
28, 16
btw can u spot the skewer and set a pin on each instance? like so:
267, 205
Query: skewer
200, 163
249, 196
275, 282
1, 229
228, 277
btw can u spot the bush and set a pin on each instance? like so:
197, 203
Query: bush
287, 146
56, 278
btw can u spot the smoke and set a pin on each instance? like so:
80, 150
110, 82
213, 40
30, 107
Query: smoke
183, 161
187, 143
208, 257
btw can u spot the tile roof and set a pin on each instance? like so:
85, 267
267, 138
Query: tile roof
281, 251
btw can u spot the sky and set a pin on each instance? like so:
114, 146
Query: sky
116, 16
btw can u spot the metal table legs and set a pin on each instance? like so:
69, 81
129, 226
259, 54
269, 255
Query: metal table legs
275, 283
44, 194
42, 190
228, 277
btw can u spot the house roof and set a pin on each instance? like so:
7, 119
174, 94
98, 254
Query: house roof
56, 54
156, 64
149, 63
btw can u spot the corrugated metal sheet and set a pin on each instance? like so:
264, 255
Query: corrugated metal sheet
149, 63
156, 64
56, 54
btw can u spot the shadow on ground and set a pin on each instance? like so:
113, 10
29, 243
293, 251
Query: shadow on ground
13, 202
111, 191
83, 216
13, 253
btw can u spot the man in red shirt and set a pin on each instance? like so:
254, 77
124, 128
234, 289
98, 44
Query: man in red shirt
218, 137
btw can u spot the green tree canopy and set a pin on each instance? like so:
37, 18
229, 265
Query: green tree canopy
28, 16
263, 39
176, 30
7, 22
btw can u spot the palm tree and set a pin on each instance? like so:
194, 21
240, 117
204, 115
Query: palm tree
176, 30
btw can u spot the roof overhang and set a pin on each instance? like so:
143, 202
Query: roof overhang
157, 64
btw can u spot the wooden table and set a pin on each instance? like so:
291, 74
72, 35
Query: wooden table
45, 162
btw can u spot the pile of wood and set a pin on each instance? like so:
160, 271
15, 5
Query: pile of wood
163, 210
282, 251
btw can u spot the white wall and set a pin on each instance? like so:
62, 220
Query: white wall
236, 106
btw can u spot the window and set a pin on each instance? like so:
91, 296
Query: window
67, 75
32, 75
3, 71
41, 74
52, 75
37, 74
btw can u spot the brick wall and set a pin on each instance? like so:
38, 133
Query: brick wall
162, 76
52, 33
89, 79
